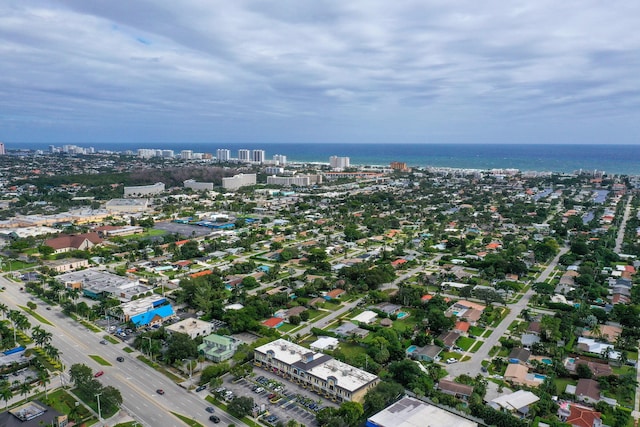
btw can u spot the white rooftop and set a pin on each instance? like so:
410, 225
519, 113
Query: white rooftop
365, 317
347, 376
410, 412
515, 401
323, 343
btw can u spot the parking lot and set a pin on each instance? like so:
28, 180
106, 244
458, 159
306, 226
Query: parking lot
278, 397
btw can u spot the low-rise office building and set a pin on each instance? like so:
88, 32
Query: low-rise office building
218, 348
320, 372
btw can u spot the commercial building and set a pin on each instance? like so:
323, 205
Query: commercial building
218, 348
144, 190
238, 181
194, 328
198, 186
98, 284
411, 412
320, 372
67, 264
127, 205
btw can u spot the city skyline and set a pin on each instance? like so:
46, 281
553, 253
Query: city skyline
292, 72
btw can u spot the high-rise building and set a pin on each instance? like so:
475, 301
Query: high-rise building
223, 155
244, 155
186, 154
257, 156
2, 152
280, 159
339, 163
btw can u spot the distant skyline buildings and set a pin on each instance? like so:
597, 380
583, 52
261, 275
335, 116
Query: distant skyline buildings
339, 163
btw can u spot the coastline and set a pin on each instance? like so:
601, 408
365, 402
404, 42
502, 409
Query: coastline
621, 159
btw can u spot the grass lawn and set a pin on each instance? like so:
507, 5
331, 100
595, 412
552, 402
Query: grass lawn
351, 350
561, 383
100, 360
449, 354
476, 330
36, 315
287, 327
621, 370
188, 421
465, 343
62, 402
111, 339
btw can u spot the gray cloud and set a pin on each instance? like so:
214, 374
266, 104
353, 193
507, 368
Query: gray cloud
410, 70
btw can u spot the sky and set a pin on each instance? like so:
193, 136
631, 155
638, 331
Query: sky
302, 71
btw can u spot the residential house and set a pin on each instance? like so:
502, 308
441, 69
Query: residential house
449, 339
587, 390
274, 322
517, 402
428, 353
366, 317
579, 416
334, 294
519, 355
325, 343
218, 348
460, 391
462, 328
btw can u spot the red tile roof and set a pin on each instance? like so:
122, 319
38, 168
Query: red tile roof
582, 417
274, 322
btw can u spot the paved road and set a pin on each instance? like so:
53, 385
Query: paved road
135, 380
472, 366
623, 225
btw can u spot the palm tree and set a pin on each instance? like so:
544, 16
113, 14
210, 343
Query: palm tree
5, 393
44, 380
52, 352
25, 388
4, 309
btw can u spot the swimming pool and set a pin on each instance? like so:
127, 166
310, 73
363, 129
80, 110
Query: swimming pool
402, 314
539, 377
547, 361
412, 349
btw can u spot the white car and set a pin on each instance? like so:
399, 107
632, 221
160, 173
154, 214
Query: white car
451, 360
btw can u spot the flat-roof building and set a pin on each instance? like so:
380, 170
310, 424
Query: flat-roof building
411, 412
320, 372
96, 284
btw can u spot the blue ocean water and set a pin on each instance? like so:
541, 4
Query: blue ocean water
616, 159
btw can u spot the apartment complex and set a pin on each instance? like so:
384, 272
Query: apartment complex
237, 181
144, 190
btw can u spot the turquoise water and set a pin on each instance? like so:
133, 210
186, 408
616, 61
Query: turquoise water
539, 377
571, 360
412, 349
547, 361
402, 314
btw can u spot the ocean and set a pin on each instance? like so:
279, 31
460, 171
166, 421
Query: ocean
610, 158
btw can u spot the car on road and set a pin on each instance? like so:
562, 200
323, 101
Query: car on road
200, 388
103, 342
210, 409
48, 308
98, 374
160, 391
214, 419
120, 359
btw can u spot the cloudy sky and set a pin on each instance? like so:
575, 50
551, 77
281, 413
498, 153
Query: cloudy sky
433, 71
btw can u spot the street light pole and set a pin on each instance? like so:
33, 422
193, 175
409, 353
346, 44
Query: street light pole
99, 412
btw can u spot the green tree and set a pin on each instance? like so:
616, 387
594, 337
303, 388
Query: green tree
240, 406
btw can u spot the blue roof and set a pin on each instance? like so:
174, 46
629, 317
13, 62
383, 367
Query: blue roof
144, 319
